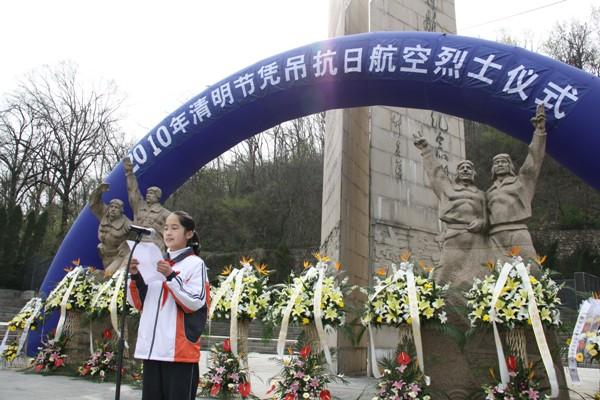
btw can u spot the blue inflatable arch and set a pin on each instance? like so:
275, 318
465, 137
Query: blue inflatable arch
471, 78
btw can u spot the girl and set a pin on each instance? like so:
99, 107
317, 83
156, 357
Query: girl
173, 314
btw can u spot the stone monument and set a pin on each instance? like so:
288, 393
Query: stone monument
463, 210
509, 198
148, 211
112, 231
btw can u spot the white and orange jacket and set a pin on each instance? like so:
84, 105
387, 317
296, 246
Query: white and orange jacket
173, 312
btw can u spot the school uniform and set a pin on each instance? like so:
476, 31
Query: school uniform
173, 315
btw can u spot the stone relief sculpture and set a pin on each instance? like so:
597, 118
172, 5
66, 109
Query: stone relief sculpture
147, 212
463, 210
112, 231
510, 196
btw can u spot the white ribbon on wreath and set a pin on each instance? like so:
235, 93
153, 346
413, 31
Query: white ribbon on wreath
405, 271
589, 311
297, 289
37, 306
235, 299
73, 274
536, 323
318, 312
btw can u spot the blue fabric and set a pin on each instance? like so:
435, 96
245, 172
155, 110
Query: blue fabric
480, 81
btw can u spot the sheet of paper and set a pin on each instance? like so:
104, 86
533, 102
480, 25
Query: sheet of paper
148, 254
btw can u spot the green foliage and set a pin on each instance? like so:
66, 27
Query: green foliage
20, 241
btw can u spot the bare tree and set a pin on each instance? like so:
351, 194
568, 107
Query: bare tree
575, 43
81, 127
23, 160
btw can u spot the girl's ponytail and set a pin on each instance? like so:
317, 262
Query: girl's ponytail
189, 225
194, 243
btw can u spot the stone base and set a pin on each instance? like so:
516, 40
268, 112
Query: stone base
459, 373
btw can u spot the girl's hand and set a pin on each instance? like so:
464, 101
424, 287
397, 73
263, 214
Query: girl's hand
133, 267
164, 268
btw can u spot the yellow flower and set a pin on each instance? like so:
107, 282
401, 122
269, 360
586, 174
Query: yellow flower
69, 306
246, 261
409, 320
486, 317
307, 265
305, 321
533, 280
12, 328
490, 265
593, 352
381, 271
262, 269
579, 357
227, 270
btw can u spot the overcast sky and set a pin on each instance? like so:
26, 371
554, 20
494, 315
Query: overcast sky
162, 53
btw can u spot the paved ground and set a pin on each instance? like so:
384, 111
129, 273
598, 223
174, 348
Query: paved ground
26, 386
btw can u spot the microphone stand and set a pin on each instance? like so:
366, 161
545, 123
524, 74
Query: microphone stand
138, 238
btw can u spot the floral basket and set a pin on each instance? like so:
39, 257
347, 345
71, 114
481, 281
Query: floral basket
523, 383
334, 287
19, 321
10, 351
51, 355
388, 298
78, 285
402, 379
304, 375
103, 295
253, 298
103, 362
512, 304
225, 379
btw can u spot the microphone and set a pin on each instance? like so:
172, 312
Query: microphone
142, 230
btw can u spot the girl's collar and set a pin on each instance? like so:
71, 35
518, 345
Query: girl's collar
174, 254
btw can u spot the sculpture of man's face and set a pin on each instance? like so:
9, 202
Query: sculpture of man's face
465, 172
115, 210
501, 166
152, 196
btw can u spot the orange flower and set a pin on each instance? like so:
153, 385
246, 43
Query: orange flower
490, 265
307, 265
262, 269
320, 258
227, 270
405, 256
246, 261
514, 251
540, 260
338, 266
381, 271
76, 262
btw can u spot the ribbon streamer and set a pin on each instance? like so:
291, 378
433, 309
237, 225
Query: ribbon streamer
235, 299
73, 274
36, 310
321, 267
589, 311
298, 283
222, 290
406, 271
114, 316
536, 323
